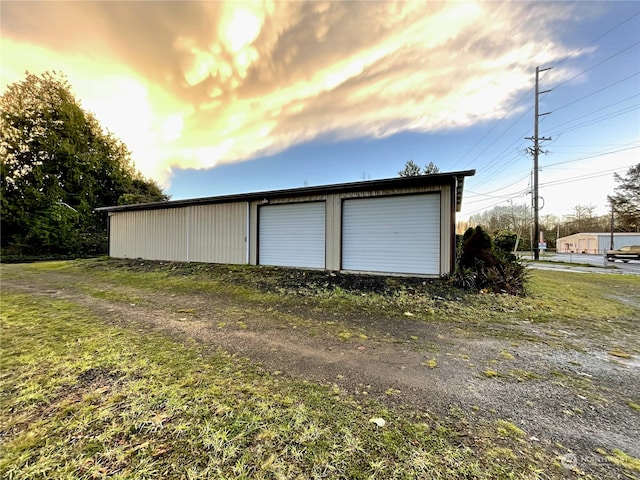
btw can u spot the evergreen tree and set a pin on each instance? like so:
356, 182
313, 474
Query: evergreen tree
626, 200
412, 169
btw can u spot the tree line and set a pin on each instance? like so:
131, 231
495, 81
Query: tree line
506, 222
517, 219
58, 165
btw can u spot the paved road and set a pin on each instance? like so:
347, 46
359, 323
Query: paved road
633, 267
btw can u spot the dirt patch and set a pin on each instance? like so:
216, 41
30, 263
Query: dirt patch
571, 400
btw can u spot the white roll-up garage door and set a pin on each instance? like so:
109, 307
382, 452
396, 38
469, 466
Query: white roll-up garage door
392, 234
292, 235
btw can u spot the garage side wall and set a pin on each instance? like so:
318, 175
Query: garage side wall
200, 233
149, 234
218, 233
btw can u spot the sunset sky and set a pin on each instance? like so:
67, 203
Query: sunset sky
217, 98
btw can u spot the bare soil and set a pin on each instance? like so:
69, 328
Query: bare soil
572, 400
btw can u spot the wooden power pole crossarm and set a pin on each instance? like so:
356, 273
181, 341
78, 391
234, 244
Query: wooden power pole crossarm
536, 150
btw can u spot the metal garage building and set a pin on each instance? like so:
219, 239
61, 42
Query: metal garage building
595, 243
400, 225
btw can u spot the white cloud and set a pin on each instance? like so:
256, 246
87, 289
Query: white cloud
210, 83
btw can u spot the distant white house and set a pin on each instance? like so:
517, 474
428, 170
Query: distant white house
595, 243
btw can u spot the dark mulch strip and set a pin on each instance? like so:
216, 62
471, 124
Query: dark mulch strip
290, 280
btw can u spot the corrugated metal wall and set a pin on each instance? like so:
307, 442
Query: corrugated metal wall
199, 233
595, 243
149, 234
218, 233
619, 240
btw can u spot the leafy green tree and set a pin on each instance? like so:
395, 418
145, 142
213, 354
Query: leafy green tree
505, 241
626, 200
412, 169
57, 166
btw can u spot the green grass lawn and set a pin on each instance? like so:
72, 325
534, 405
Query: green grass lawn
82, 399
551, 296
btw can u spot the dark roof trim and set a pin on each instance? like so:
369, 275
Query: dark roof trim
456, 179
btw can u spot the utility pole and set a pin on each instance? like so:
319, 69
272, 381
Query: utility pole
536, 151
611, 245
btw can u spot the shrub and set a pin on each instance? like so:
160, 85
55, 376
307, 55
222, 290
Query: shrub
483, 266
505, 241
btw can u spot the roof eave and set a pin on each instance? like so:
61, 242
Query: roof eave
454, 178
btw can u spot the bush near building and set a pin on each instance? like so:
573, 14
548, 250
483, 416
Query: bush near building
483, 265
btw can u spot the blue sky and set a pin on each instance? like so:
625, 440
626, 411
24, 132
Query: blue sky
221, 98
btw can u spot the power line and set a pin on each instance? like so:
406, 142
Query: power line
519, 192
559, 182
590, 176
519, 155
495, 204
580, 178
572, 54
595, 155
605, 107
594, 120
597, 64
493, 127
597, 91
484, 195
506, 158
503, 188
575, 52
496, 161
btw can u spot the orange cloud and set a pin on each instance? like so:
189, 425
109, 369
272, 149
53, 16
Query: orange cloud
195, 84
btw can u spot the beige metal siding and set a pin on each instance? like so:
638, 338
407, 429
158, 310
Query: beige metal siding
253, 233
334, 232
395, 191
199, 233
150, 234
447, 230
217, 233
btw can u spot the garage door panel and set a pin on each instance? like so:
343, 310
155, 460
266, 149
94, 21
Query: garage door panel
392, 234
292, 235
